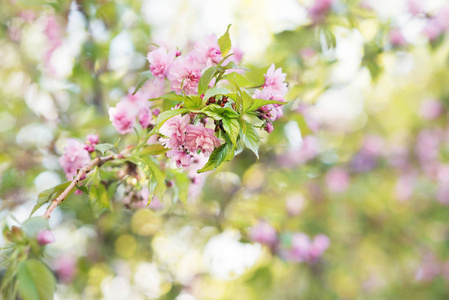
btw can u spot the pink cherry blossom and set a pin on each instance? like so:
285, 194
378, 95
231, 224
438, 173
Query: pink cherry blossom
75, 157
201, 138
175, 130
180, 157
153, 88
93, 139
263, 233
303, 249
185, 74
337, 179
160, 61
269, 127
45, 237
271, 111
207, 52
274, 78
122, 118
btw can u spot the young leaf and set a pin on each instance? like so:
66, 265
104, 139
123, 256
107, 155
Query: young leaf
218, 156
98, 197
143, 77
261, 102
164, 116
153, 150
104, 147
49, 194
225, 42
215, 91
205, 80
35, 280
250, 137
193, 102
232, 127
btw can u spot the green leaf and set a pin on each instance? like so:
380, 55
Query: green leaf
99, 200
164, 116
154, 174
104, 147
172, 96
33, 225
225, 42
153, 150
205, 80
247, 100
35, 280
193, 102
217, 112
143, 77
232, 127
215, 91
49, 194
261, 102
218, 156
250, 137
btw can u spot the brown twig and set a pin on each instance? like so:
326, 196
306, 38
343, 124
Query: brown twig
97, 161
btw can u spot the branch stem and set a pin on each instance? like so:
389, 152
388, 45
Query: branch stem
96, 162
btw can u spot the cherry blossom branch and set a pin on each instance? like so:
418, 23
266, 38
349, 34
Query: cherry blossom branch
96, 162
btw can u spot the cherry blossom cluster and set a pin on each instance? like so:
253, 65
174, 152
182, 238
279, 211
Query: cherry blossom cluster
274, 88
297, 247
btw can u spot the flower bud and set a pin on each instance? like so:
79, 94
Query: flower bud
45, 237
269, 127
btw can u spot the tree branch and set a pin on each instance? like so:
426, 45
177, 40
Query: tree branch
96, 162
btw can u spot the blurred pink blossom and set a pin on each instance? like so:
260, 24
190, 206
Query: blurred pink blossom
431, 109
75, 157
65, 268
319, 9
263, 233
45, 237
180, 157
396, 38
337, 179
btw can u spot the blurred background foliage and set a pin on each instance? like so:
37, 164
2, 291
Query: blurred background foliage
361, 154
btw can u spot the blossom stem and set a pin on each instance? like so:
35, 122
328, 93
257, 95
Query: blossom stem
96, 162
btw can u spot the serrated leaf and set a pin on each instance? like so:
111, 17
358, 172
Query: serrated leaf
239, 146
143, 77
172, 96
215, 91
49, 194
153, 150
247, 100
232, 128
193, 102
104, 147
35, 280
261, 102
225, 42
205, 80
218, 156
217, 112
99, 200
250, 137
164, 116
